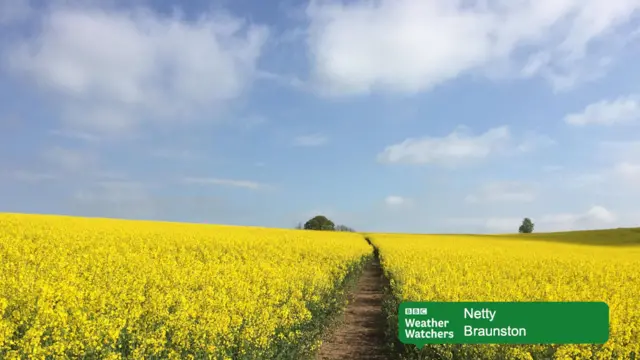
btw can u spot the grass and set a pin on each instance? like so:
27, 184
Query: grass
609, 237
606, 237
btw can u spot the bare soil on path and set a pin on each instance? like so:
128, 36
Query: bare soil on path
361, 333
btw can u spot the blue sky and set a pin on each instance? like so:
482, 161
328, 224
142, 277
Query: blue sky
403, 115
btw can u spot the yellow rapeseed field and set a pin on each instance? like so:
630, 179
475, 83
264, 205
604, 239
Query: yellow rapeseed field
504, 268
100, 288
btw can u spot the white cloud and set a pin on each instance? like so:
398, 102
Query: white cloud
597, 217
459, 146
227, 182
395, 201
623, 110
411, 45
491, 224
629, 172
508, 224
310, 140
114, 69
623, 168
503, 192
623, 176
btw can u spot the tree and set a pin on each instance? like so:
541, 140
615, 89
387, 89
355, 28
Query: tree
299, 226
344, 228
320, 222
526, 227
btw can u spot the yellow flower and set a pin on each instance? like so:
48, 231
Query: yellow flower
112, 289
501, 268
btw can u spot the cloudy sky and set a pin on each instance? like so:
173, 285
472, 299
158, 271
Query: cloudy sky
386, 115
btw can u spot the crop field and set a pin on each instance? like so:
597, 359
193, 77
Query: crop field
99, 288
512, 268
74, 287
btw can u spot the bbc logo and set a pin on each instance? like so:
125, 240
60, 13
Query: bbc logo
415, 311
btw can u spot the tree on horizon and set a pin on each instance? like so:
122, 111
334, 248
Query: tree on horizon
320, 222
526, 227
344, 228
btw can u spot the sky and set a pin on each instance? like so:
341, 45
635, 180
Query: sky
419, 116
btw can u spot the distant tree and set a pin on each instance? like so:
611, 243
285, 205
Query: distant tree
526, 227
299, 226
344, 228
320, 222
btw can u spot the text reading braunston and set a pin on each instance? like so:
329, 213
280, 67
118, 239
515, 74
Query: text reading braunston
437, 327
490, 315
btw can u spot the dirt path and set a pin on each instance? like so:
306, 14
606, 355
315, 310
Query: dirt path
361, 335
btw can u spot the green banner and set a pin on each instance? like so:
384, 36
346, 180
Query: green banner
423, 323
